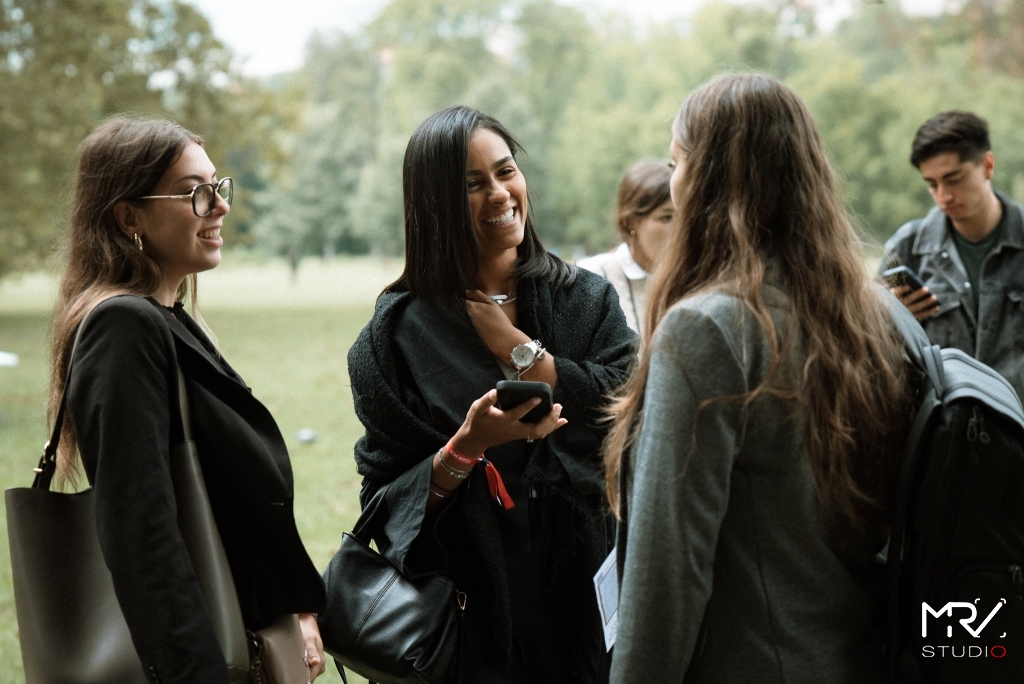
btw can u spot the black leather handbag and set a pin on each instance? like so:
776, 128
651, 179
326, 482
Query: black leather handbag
387, 627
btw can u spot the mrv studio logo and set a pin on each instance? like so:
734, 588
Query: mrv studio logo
969, 611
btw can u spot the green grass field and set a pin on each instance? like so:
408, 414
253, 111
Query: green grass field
289, 341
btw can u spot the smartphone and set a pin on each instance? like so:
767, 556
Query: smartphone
902, 275
512, 393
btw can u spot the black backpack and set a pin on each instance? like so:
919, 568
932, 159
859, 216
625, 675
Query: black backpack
955, 579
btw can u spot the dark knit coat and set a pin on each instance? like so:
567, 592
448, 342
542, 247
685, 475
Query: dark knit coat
583, 327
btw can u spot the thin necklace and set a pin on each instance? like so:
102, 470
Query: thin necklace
502, 300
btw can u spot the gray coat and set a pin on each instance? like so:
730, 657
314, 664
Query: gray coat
993, 333
727, 575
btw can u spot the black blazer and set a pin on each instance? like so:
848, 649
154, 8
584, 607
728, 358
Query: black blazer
123, 402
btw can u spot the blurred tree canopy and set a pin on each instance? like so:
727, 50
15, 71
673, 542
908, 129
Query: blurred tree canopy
318, 156
589, 94
67, 64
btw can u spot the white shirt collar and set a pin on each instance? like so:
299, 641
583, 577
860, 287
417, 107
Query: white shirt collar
632, 269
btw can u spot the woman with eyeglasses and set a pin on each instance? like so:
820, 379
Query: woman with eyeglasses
510, 511
146, 218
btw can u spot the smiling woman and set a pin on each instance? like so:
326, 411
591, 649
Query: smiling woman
497, 195
181, 241
481, 302
146, 217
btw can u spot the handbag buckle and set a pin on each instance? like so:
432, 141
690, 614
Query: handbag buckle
42, 459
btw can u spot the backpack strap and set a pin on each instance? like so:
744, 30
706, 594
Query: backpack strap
927, 358
923, 354
935, 368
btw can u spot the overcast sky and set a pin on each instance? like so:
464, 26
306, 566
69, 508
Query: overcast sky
271, 34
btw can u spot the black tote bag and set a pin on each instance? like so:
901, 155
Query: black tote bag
71, 626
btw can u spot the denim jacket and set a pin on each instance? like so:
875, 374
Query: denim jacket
992, 332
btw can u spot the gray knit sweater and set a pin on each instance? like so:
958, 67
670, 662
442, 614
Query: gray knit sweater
727, 575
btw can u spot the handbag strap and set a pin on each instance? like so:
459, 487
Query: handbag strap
365, 526
48, 461
47, 466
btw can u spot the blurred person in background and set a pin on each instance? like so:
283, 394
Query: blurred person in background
753, 452
146, 218
968, 251
643, 217
482, 301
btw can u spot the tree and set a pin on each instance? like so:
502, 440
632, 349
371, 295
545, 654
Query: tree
66, 65
588, 95
312, 208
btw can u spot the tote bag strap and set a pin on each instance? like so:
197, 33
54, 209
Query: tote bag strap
183, 406
48, 461
205, 547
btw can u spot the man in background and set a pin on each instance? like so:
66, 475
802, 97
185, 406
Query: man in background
968, 250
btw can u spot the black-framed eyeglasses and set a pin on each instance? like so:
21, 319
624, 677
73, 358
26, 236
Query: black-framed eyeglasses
204, 195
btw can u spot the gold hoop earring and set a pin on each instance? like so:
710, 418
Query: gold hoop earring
632, 232
138, 241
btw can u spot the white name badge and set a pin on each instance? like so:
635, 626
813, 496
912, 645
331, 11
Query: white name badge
606, 582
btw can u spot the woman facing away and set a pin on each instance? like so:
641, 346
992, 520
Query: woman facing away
643, 217
481, 301
146, 217
775, 399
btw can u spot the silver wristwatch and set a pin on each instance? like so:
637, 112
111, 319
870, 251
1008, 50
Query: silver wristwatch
523, 357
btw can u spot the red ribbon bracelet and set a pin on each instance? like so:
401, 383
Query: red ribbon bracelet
462, 458
494, 482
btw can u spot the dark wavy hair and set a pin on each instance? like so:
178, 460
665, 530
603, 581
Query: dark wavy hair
963, 133
442, 253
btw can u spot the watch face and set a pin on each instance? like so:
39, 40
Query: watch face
522, 356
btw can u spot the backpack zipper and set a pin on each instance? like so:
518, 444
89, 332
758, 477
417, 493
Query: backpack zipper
972, 424
976, 426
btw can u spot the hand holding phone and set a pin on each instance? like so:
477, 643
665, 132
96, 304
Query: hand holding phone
512, 393
918, 299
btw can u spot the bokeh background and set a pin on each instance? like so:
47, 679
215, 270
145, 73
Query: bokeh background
310, 112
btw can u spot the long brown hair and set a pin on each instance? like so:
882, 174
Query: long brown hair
758, 189
125, 157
